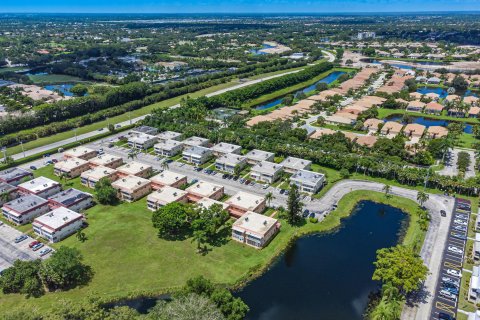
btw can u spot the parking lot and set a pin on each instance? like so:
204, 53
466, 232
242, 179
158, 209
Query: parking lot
448, 285
11, 251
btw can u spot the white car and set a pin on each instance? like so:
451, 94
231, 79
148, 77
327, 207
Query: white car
447, 294
460, 222
454, 272
455, 249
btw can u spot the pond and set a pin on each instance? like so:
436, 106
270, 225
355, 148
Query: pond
331, 77
405, 66
442, 92
64, 88
428, 122
327, 276
259, 51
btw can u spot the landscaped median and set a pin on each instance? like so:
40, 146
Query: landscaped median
129, 259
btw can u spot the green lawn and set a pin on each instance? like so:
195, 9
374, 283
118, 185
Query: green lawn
53, 78
130, 260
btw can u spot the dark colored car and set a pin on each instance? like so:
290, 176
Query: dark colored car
20, 238
33, 168
33, 243
445, 316
443, 213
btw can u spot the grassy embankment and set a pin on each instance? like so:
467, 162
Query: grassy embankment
130, 260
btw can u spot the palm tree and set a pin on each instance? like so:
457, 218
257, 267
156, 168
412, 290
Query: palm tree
387, 189
4, 197
422, 197
132, 155
269, 197
164, 165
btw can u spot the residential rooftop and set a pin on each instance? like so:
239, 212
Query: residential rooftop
207, 203
25, 203
167, 195
98, 173
259, 155
130, 183
133, 167
168, 144
57, 218
204, 188
38, 184
245, 200
195, 141
169, 135
167, 177
252, 222
105, 159
69, 197
308, 177
14, 174
78, 152
295, 163
266, 167
70, 164
224, 148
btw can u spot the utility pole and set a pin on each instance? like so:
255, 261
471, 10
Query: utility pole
23, 150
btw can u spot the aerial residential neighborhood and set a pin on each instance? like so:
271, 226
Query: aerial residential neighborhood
268, 160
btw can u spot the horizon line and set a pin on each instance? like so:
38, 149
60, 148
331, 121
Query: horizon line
245, 12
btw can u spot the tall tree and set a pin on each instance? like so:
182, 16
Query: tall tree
422, 197
105, 193
294, 206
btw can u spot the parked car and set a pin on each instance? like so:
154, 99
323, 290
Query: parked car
236, 178
20, 238
286, 192
459, 236
311, 215
451, 290
45, 252
169, 160
33, 243
194, 181
37, 246
448, 295
265, 186
460, 222
33, 168
455, 249
54, 160
454, 272
461, 216
444, 316
460, 228
224, 176
443, 213
241, 180
449, 285
282, 191
451, 280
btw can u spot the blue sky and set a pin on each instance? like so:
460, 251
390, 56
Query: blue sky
236, 6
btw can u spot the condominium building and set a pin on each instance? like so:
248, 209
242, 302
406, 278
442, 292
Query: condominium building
168, 178
223, 148
142, 141
132, 188
106, 160
169, 135
308, 181
230, 161
24, 209
135, 168
255, 230
203, 189
41, 186
164, 196
10, 192
70, 167
90, 177
57, 224
196, 142
197, 155
255, 156
15, 176
207, 203
72, 199
144, 130
242, 202
80, 152
168, 148
266, 171
292, 164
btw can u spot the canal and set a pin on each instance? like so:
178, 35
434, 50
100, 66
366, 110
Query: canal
327, 276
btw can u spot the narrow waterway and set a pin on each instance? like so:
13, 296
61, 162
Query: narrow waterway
327, 276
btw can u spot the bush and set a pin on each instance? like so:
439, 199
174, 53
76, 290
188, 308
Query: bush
313, 220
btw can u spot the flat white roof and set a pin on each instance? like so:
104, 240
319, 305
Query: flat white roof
38, 184
167, 177
142, 138
245, 200
224, 147
203, 188
195, 141
197, 151
25, 203
309, 177
231, 159
166, 195
169, 135
296, 163
266, 167
133, 167
207, 203
78, 151
130, 183
57, 218
104, 159
70, 164
98, 173
254, 223
168, 144
259, 155
14, 173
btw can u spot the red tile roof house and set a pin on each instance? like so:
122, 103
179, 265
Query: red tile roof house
433, 108
416, 106
435, 132
471, 100
473, 112
414, 130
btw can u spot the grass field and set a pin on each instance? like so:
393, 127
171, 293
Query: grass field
53, 78
130, 260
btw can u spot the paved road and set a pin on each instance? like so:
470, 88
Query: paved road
90, 134
451, 159
330, 56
